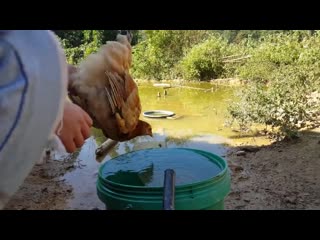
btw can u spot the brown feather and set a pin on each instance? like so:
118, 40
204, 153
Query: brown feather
103, 87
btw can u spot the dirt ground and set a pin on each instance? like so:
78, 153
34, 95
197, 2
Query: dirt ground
284, 175
44, 189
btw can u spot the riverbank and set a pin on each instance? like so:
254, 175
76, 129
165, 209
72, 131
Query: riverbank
265, 175
175, 82
283, 175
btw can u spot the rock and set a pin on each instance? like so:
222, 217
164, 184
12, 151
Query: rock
246, 200
250, 149
240, 206
303, 194
235, 167
291, 200
240, 153
69, 167
238, 168
244, 176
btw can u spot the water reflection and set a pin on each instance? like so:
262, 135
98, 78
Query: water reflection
200, 126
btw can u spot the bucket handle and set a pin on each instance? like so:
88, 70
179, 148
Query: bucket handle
169, 189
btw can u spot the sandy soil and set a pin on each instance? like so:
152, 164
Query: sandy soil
284, 175
44, 188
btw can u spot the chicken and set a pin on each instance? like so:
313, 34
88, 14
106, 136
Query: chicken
103, 87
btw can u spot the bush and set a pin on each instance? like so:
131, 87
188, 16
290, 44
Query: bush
79, 44
204, 61
289, 64
289, 103
158, 54
273, 52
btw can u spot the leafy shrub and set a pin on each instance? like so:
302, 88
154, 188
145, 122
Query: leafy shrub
204, 61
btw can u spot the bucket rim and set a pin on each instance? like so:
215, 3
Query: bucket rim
222, 163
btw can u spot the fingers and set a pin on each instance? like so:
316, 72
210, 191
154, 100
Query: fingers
87, 118
85, 115
69, 145
76, 127
85, 131
78, 139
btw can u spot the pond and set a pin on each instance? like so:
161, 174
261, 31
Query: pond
199, 123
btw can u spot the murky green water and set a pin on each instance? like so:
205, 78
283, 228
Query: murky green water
198, 111
198, 123
146, 168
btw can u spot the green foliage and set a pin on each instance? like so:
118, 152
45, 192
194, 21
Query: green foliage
145, 64
72, 38
79, 44
159, 52
204, 61
74, 55
272, 52
289, 64
281, 67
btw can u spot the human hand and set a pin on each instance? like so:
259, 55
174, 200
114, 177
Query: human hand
76, 127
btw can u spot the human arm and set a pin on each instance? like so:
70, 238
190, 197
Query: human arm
33, 77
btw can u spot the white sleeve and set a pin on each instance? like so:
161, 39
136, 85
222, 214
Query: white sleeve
33, 88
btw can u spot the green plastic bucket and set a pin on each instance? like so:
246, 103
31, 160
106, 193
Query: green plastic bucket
135, 180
